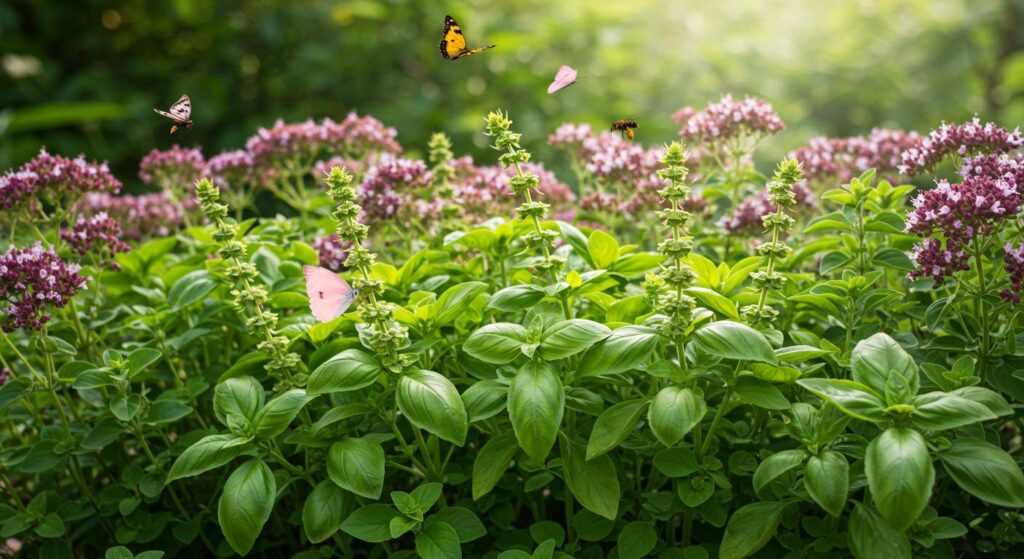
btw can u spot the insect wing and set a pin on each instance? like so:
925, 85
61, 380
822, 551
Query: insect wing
329, 295
182, 108
565, 77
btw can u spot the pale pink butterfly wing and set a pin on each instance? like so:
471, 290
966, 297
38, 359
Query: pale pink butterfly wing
565, 77
181, 110
329, 295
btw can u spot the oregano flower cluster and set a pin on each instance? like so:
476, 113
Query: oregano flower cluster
782, 196
249, 297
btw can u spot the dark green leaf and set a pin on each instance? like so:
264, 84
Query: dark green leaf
351, 369
900, 474
536, 403
431, 402
613, 426
985, 471
626, 348
246, 503
750, 528
357, 465
732, 340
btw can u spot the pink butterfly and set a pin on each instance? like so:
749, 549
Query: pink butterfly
565, 77
329, 295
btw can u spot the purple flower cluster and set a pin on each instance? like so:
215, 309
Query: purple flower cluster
570, 136
746, 219
484, 192
962, 210
323, 167
332, 254
845, 158
31, 280
98, 235
728, 119
1013, 258
963, 140
51, 177
140, 217
1009, 168
600, 202
176, 168
612, 159
958, 212
353, 137
389, 185
232, 169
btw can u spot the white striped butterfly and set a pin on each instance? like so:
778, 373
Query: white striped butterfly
180, 113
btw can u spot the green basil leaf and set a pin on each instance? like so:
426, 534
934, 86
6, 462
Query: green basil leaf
871, 537
431, 402
594, 483
207, 453
715, 301
760, 393
279, 412
985, 471
940, 410
466, 523
827, 480
240, 395
485, 399
325, 509
455, 300
370, 523
357, 465
900, 475
246, 503
569, 337
636, 540
515, 298
852, 398
496, 343
438, 540
674, 412
775, 465
491, 462
875, 357
191, 288
351, 369
613, 426
732, 340
750, 528
536, 403
626, 348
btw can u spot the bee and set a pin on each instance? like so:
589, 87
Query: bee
625, 126
181, 113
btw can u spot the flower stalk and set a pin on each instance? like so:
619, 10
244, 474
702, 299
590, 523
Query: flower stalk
781, 195
499, 127
385, 335
249, 298
666, 288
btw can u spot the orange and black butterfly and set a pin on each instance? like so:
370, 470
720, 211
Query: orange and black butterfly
625, 126
180, 113
453, 44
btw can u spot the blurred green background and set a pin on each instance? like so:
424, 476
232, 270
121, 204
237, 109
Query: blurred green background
84, 75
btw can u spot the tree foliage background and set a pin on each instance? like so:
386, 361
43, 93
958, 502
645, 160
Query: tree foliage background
84, 76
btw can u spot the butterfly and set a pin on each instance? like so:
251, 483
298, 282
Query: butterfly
625, 126
181, 113
565, 77
329, 295
453, 44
